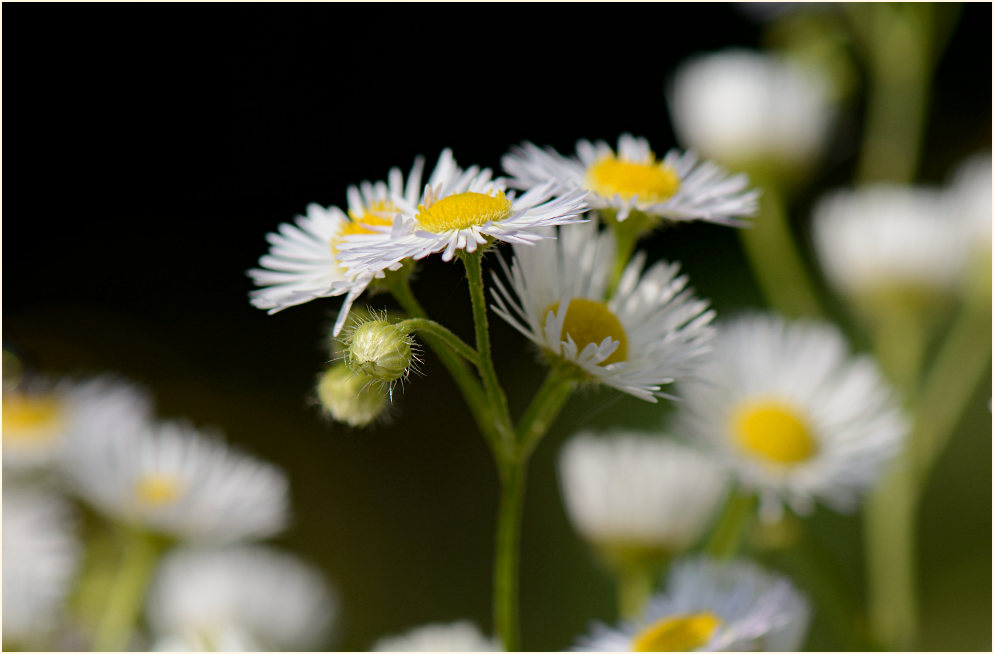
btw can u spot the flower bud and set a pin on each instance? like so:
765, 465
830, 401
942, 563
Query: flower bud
379, 350
351, 397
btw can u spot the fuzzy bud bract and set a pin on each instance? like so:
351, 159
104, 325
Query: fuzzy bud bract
380, 350
351, 397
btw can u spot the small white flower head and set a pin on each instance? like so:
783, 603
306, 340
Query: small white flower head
41, 554
41, 415
352, 398
712, 606
885, 244
240, 598
304, 260
745, 108
651, 331
792, 413
380, 350
460, 636
173, 479
461, 210
630, 492
632, 180
970, 199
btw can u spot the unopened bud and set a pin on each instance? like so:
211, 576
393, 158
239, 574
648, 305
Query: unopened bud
379, 350
351, 397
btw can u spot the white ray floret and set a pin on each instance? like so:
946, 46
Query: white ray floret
240, 598
173, 479
970, 196
631, 179
793, 414
638, 490
459, 636
462, 210
651, 331
710, 606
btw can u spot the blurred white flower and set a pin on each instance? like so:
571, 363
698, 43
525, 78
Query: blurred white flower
240, 598
792, 413
173, 479
712, 606
637, 491
460, 636
743, 107
41, 554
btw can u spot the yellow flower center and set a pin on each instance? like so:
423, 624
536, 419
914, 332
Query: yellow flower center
651, 182
590, 321
463, 210
30, 417
156, 489
677, 633
773, 431
379, 213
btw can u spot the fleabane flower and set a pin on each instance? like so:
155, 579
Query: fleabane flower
639, 495
304, 261
631, 179
649, 332
459, 636
792, 413
244, 597
969, 194
41, 555
173, 479
710, 606
41, 415
461, 210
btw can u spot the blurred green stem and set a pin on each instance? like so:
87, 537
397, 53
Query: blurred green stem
726, 535
545, 406
507, 554
635, 586
127, 591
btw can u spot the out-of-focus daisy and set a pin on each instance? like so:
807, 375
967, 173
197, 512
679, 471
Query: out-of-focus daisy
240, 597
635, 493
304, 262
747, 109
40, 559
651, 330
460, 636
40, 414
171, 478
884, 245
632, 179
792, 413
712, 606
462, 210
970, 199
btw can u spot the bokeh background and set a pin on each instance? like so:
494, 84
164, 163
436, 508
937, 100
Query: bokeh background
152, 146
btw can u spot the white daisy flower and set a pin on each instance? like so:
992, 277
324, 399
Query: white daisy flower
792, 413
41, 414
742, 107
970, 191
651, 331
630, 491
713, 606
304, 261
883, 240
172, 479
240, 598
678, 187
461, 636
40, 557
462, 210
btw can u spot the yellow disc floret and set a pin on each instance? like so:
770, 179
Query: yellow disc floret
590, 321
157, 489
463, 210
651, 181
30, 417
773, 431
677, 633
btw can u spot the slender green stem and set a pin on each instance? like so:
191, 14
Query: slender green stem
427, 326
127, 591
507, 554
635, 586
773, 256
727, 533
545, 406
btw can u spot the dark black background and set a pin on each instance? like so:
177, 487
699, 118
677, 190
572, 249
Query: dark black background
150, 147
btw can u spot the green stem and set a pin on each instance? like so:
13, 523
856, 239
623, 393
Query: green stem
127, 592
635, 586
545, 406
727, 533
775, 261
507, 554
427, 326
